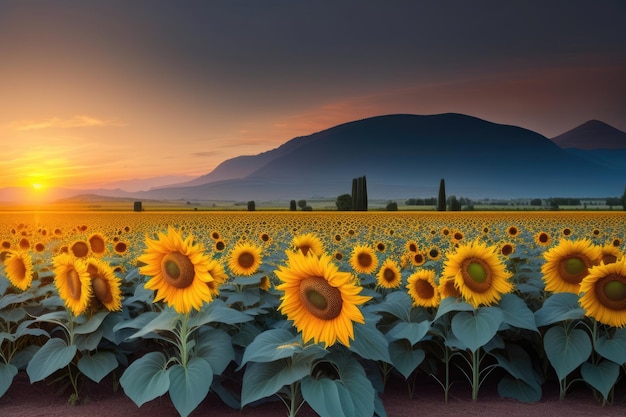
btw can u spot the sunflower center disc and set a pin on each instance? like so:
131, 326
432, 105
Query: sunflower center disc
389, 275
73, 283
364, 259
477, 272
615, 290
177, 270
246, 260
101, 290
320, 298
305, 249
574, 266
424, 290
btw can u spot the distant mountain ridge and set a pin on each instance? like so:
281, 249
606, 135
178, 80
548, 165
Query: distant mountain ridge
592, 134
405, 156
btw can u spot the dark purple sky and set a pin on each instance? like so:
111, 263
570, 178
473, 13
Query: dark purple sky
94, 92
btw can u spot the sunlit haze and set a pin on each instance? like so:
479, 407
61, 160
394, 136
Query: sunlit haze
96, 93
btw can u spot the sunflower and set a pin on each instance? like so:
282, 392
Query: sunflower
363, 259
245, 259
319, 299
422, 289
478, 273
216, 269
434, 254
512, 231
120, 248
97, 244
389, 274
568, 263
105, 285
18, 266
604, 293
417, 258
507, 249
265, 284
411, 246
80, 249
179, 271
610, 253
308, 242
72, 281
542, 239
447, 288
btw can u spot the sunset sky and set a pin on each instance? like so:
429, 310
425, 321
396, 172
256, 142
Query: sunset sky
93, 93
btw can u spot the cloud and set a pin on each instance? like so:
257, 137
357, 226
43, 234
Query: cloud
56, 122
205, 154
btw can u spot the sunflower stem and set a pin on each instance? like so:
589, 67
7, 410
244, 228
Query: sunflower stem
475, 373
184, 335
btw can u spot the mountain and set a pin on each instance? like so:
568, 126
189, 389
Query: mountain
405, 156
596, 142
592, 134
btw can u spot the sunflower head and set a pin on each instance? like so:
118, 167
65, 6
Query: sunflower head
568, 263
105, 285
363, 259
97, 244
80, 249
422, 289
245, 259
73, 282
18, 266
389, 274
610, 253
603, 293
478, 273
320, 300
179, 271
308, 242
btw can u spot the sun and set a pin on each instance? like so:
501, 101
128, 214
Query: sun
37, 185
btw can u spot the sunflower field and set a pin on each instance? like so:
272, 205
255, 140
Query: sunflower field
320, 308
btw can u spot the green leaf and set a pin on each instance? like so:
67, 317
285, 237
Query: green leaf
370, 343
566, 351
327, 398
7, 373
475, 329
92, 324
190, 385
519, 389
601, 376
413, 332
350, 395
450, 304
613, 348
559, 307
215, 346
14, 316
138, 322
247, 297
166, 320
263, 379
88, 342
519, 364
98, 365
52, 356
146, 378
9, 299
272, 345
404, 358
516, 312
396, 303
219, 312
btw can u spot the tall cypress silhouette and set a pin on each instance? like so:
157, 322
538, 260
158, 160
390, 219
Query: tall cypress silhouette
441, 200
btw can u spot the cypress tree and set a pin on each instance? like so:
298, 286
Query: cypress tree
441, 200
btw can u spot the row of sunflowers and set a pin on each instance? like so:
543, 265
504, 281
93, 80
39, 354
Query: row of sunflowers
314, 308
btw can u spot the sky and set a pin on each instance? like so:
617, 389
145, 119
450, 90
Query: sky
96, 93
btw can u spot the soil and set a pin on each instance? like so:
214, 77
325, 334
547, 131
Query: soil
24, 399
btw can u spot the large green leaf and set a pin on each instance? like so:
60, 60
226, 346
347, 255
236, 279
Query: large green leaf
601, 376
272, 345
138, 322
52, 356
90, 341
559, 307
516, 312
396, 303
450, 304
146, 378
98, 365
352, 395
190, 385
509, 387
218, 312
14, 315
7, 373
370, 343
9, 299
215, 346
613, 348
566, 351
166, 320
475, 329
519, 364
413, 332
404, 358
263, 379
92, 324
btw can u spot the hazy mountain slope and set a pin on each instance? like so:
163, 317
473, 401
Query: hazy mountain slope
592, 134
406, 155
